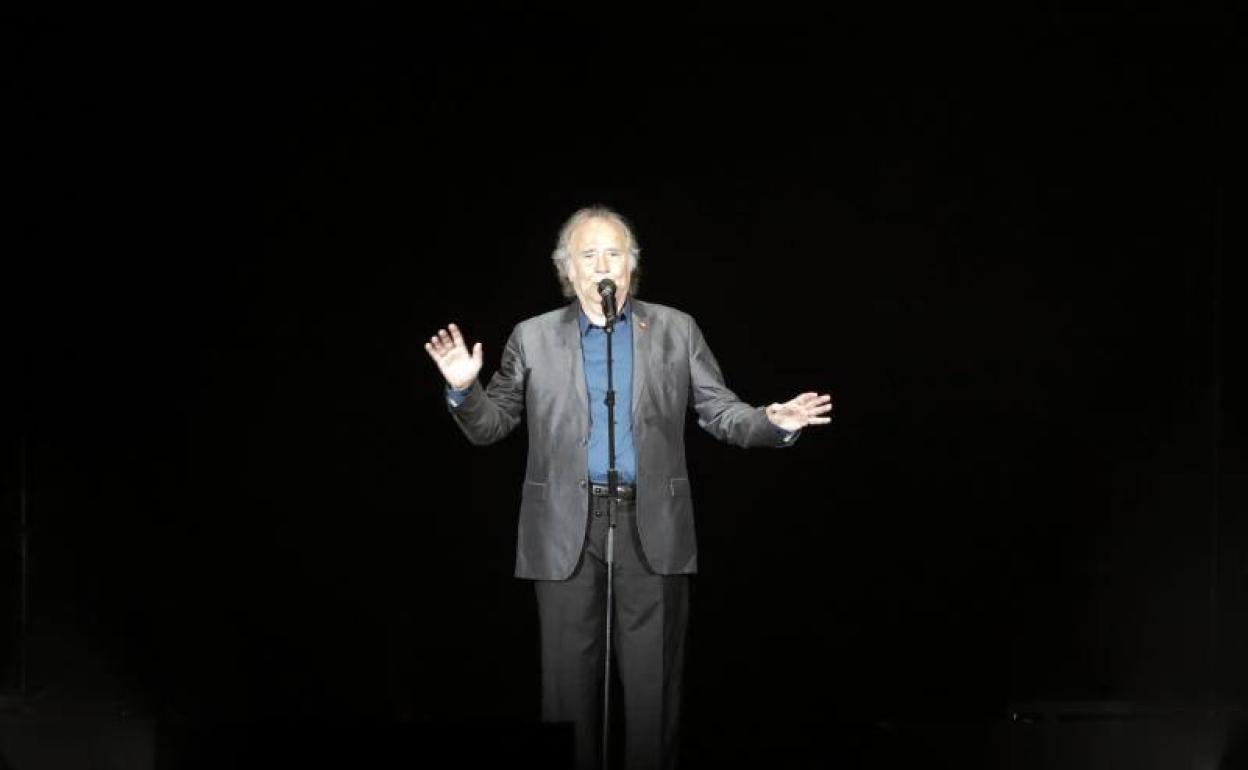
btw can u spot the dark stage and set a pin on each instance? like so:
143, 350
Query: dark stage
255, 538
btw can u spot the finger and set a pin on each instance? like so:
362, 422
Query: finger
455, 335
476, 352
813, 401
820, 420
446, 338
438, 356
435, 343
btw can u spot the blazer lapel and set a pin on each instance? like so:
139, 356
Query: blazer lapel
641, 352
570, 341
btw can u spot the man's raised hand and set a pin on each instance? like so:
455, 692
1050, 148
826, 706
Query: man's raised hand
448, 351
806, 409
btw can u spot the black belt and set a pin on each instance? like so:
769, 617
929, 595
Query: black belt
624, 491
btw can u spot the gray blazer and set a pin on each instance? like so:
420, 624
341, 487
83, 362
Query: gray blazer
542, 374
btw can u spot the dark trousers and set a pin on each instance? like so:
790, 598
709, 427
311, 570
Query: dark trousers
651, 618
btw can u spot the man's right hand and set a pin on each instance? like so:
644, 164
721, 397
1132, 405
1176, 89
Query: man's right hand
448, 351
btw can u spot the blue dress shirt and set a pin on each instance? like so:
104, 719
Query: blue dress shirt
594, 356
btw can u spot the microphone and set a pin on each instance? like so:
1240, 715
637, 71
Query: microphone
606, 290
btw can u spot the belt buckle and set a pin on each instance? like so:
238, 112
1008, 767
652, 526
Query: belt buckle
626, 491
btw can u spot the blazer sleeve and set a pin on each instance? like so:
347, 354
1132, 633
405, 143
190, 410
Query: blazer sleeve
488, 414
720, 412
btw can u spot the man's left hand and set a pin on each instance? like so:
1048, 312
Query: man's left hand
806, 409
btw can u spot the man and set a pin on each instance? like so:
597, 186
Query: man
554, 368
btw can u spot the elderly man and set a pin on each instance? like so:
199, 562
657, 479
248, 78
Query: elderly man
554, 368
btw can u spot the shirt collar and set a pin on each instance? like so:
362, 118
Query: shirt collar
583, 319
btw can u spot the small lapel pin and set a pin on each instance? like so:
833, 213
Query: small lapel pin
641, 324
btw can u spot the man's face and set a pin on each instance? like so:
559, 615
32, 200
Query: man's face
598, 249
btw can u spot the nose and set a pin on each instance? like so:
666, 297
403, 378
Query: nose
601, 264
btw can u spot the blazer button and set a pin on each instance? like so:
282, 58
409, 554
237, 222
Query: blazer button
581, 483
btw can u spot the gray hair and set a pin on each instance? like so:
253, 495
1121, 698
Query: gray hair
562, 251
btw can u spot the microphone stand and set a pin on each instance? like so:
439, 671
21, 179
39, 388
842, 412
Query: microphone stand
613, 481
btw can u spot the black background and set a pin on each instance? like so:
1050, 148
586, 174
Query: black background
1001, 248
